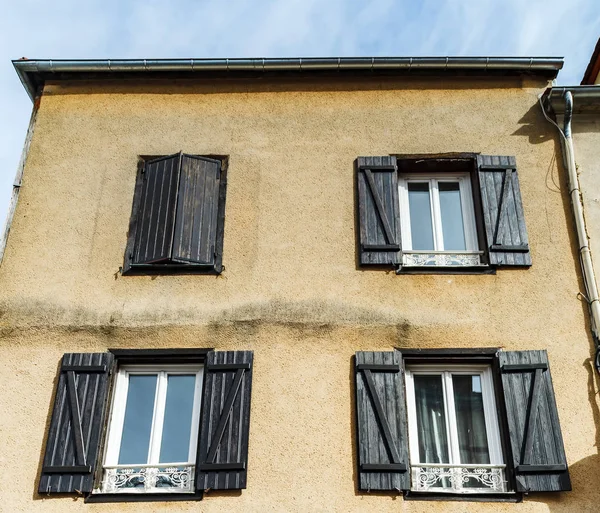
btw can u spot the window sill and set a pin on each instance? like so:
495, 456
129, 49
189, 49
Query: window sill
433, 269
143, 497
459, 497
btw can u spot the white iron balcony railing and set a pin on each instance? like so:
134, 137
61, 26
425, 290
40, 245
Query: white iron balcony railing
150, 478
441, 477
441, 258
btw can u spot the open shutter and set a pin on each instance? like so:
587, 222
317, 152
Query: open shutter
381, 422
536, 441
156, 215
503, 216
225, 421
378, 210
197, 206
76, 425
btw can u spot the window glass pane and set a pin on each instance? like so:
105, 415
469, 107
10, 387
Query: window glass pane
431, 419
175, 444
421, 227
470, 420
137, 426
452, 221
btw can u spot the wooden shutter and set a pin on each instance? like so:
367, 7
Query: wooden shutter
378, 210
536, 441
225, 421
76, 425
504, 221
382, 429
156, 214
197, 206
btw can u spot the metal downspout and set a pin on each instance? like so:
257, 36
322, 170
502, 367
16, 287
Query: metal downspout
585, 257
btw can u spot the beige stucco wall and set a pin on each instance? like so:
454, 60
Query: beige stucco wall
291, 290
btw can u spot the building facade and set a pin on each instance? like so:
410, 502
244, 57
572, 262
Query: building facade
328, 285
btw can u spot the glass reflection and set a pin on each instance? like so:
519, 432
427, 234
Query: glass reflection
175, 443
452, 221
421, 227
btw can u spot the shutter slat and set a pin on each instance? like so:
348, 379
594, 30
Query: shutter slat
378, 210
503, 215
225, 421
75, 428
382, 432
156, 215
198, 203
536, 441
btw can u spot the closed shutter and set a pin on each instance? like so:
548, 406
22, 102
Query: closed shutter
76, 425
156, 215
504, 220
378, 210
381, 422
225, 421
536, 441
197, 206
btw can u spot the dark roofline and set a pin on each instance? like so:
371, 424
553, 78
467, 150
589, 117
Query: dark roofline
593, 67
33, 73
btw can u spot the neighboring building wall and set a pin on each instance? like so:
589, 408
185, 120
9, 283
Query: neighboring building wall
291, 290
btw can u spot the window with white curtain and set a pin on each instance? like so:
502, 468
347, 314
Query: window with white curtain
454, 438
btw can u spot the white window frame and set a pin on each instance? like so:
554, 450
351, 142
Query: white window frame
490, 416
467, 207
117, 419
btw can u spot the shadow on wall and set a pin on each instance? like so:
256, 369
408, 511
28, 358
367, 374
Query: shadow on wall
531, 123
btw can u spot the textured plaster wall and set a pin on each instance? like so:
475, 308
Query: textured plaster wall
291, 290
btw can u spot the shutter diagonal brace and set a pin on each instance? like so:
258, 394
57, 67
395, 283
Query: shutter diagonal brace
385, 429
233, 390
380, 210
502, 215
75, 419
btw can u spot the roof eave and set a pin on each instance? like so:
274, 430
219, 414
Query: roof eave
33, 72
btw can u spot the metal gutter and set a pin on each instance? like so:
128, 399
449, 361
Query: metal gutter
32, 72
561, 100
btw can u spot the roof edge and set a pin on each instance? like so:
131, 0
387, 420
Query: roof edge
593, 67
586, 98
32, 71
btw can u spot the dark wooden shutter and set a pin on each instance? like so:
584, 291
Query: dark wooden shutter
378, 210
197, 206
536, 441
381, 422
504, 220
156, 214
76, 425
225, 421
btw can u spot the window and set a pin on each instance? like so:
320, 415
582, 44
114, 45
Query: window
458, 423
460, 213
177, 216
153, 430
453, 430
438, 220
159, 444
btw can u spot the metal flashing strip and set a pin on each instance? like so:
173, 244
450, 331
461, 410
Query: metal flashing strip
30, 71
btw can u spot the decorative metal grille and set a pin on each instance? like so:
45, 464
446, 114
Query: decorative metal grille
148, 479
459, 478
410, 259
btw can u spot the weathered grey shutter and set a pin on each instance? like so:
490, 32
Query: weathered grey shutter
381, 421
536, 441
378, 210
156, 215
76, 425
503, 215
197, 206
225, 421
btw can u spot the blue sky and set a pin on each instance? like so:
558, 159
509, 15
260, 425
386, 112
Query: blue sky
62, 29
